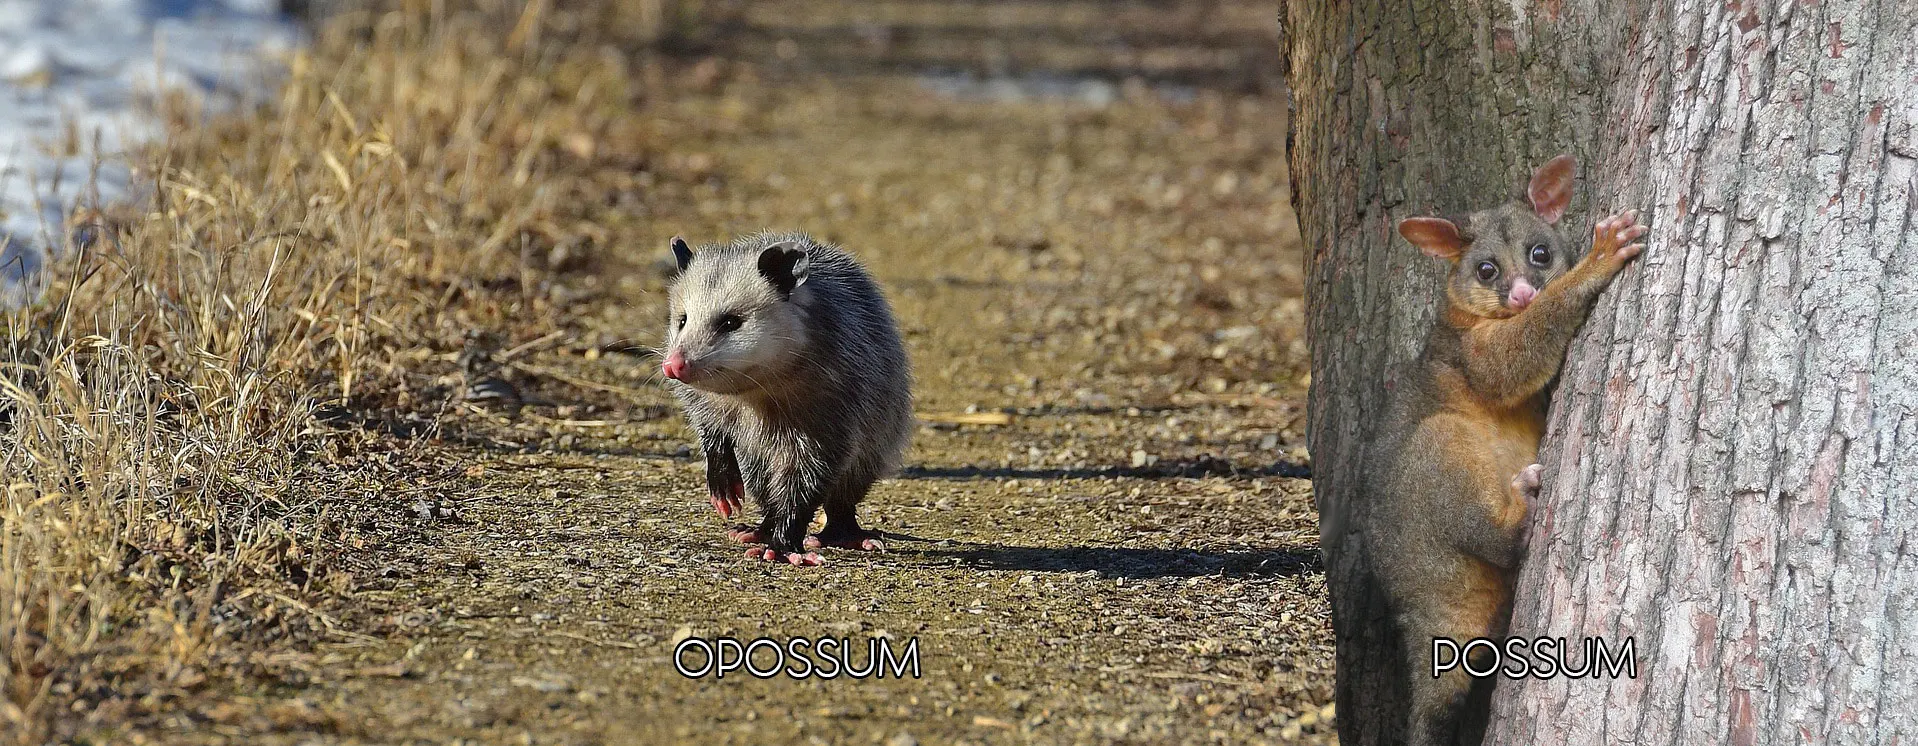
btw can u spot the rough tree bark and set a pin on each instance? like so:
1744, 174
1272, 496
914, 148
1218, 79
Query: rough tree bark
1732, 462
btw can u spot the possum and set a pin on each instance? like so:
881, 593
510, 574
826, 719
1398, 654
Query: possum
787, 361
1458, 473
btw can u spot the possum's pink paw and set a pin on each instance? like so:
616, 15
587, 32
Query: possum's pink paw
808, 559
745, 534
862, 541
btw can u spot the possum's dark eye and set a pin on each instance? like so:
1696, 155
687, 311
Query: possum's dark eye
727, 323
1540, 256
681, 323
1487, 271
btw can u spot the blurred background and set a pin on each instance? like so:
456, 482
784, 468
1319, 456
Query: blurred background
1020, 47
1225, 44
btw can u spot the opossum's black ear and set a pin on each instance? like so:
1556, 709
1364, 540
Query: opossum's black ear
785, 265
682, 253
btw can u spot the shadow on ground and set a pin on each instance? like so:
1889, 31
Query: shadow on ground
1199, 467
1139, 563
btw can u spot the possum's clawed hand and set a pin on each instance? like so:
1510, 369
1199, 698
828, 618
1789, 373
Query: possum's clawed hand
1612, 239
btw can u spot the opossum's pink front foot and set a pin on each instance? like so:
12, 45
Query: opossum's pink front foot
724, 485
808, 559
861, 541
745, 534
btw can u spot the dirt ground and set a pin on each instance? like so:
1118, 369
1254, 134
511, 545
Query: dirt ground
1103, 533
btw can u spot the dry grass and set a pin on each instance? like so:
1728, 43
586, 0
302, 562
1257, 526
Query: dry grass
168, 488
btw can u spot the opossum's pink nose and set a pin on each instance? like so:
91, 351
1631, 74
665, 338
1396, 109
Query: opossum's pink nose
675, 365
1521, 295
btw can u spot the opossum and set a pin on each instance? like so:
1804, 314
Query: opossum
786, 358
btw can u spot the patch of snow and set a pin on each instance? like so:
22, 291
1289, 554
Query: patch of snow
72, 71
1088, 91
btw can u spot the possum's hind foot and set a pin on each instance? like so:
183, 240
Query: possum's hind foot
856, 539
799, 559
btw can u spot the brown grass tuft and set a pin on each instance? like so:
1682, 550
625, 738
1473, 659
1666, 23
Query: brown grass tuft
168, 488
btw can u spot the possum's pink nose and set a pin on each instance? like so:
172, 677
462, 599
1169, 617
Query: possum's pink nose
1521, 295
675, 365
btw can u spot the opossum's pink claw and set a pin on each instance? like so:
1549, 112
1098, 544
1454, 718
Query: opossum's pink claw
808, 559
727, 505
727, 493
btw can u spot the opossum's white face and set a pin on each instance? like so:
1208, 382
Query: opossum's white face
735, 326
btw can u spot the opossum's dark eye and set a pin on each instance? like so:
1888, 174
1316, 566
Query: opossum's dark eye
727, 323
1487, 271
1540, 255
681, 323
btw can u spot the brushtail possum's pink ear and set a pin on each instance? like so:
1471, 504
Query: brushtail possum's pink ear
1551, 188
1435, 236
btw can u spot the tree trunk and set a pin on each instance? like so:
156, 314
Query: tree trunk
1732, 462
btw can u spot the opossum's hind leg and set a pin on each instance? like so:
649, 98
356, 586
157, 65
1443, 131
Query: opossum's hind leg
769, 532
785, 527
842, 529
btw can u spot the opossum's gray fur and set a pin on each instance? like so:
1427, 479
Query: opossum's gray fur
812, 399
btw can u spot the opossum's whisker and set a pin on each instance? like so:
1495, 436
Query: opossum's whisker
747, 376
800, 353
809, 359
